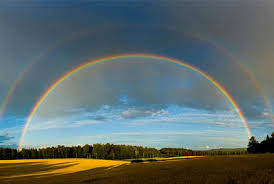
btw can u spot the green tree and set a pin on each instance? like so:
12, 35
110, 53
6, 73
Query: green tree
253, 145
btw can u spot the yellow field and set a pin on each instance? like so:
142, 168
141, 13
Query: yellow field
253, 169
54, 166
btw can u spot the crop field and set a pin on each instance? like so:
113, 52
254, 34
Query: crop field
257, 169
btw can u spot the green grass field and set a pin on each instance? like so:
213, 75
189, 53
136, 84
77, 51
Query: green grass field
244, 169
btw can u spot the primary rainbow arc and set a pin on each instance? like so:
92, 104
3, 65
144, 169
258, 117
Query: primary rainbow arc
197, 36
93, 62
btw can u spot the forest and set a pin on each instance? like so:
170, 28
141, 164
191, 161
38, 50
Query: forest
106, 151
265, 146
119, 152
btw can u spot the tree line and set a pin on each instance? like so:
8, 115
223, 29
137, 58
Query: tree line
119, 152
105, 151
97, 151
265, 146
173, 152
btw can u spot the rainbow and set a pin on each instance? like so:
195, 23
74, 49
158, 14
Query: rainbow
197, 36
38, 58
245, 68
219, 87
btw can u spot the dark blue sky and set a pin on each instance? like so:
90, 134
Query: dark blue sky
57, 36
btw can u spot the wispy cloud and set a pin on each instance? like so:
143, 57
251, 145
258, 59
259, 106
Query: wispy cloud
192, 139
98, 117
230, 125
219, 119
135, 113
208, 132
140, 116
61, 124
84, 123
12, 130
4, 138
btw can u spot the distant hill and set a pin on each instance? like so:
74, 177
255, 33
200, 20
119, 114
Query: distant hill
228, 149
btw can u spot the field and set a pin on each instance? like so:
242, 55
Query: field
211, 169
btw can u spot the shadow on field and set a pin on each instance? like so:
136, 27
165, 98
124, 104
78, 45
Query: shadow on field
15, 169
55, 177
253, 169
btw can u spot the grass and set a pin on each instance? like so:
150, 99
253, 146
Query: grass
253, 169
160, 159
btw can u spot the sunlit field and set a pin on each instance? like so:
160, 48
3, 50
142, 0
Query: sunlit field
209, 169
11, 170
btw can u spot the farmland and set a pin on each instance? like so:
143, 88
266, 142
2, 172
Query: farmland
257, 168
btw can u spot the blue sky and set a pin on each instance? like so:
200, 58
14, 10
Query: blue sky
136, 101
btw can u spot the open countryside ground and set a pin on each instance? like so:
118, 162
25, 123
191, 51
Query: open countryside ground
211, 169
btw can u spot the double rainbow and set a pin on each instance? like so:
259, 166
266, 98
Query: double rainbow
59, 43
219, 87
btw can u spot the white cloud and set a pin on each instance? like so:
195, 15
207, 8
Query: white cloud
11, 131
207, 132
270, 116
135, 113
85, 122
139, 116
230, 125
224, 120
198, 139
61, 123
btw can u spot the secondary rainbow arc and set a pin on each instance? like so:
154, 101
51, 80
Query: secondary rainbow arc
218, 86
245, 68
